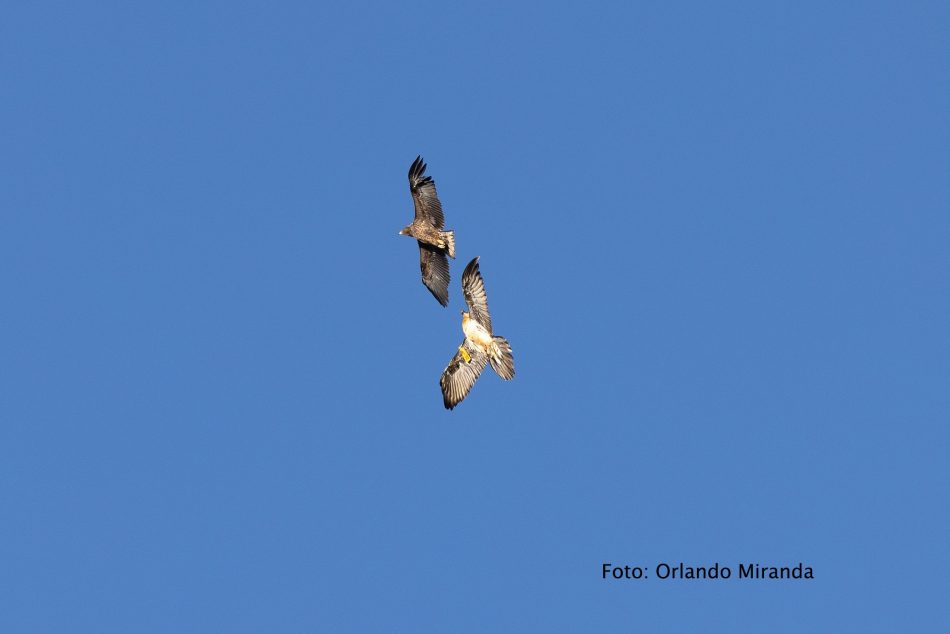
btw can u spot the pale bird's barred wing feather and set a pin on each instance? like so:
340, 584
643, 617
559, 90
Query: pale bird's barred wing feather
473, 287
424, 196
435, 272
460, 375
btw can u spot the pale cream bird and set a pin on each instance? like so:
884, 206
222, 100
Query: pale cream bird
480, 346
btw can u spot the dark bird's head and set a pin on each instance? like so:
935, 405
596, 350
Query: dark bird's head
406, 231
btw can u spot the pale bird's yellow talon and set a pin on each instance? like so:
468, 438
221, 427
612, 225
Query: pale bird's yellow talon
465, 354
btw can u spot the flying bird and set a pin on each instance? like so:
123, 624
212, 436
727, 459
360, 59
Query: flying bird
480, 346
427, 229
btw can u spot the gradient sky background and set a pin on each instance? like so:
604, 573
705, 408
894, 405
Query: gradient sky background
716, 236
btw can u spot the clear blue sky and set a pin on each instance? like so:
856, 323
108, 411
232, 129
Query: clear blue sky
717, 237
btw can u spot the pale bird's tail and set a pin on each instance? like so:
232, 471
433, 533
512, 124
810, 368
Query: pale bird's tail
449, 238
502, 361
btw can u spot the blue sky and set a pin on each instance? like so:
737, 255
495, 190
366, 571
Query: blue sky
716, 237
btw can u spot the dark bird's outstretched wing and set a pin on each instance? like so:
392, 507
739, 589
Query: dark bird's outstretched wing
424, 196
461, 373
473, 287
435, 272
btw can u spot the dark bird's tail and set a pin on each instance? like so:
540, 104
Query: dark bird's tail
449, 238
502, 361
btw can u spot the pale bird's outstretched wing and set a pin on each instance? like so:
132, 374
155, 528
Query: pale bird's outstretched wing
435, 272
424, 196
473, 287
461, 373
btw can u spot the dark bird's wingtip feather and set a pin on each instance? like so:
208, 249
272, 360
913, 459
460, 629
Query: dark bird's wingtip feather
417, 169
440, 293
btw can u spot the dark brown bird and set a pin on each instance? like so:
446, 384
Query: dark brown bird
427, 229
480, 346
